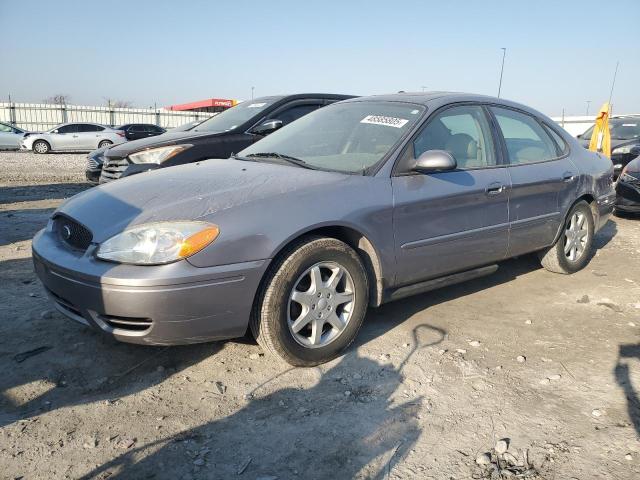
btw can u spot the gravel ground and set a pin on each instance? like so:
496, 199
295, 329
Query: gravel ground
550, 363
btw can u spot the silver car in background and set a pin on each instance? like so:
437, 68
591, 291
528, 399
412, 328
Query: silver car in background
10, 136
73, 136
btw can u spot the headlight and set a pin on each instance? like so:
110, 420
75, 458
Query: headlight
624, 149
158, 155
157, 243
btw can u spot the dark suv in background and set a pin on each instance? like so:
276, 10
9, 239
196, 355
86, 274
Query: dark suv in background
625, 141
136, 131
218, 137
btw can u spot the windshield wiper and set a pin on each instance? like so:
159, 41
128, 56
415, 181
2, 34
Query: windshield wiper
281, 156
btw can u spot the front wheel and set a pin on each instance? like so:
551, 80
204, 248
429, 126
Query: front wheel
572, 250
312, 303
105, 143
40, 146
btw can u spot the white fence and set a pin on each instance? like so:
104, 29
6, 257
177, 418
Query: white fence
42, 116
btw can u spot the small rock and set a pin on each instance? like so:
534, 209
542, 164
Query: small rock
631, 324
221, 388
347, 393
555, 376
527, 322
545, 381
385, 356
501, 446
510, 458
247, 396
442, 351
461, 351
357, 376
281, 403
596, 412
32, 295
483, 459
198, 462
474, 343
127, 442
91, 443
628, 456
406, 345
584, 299
255, 356
498, 367
521, 358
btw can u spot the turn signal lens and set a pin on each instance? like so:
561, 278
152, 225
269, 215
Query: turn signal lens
198, 241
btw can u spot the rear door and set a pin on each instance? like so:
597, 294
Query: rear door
8, 139
544, 181
455, 220
89, 136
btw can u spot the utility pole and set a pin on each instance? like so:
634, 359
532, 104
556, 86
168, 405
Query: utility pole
504, 53
252, 88
423, 88
614, 82
588, 103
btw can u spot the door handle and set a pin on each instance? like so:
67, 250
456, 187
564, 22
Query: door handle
494, 188
568, 177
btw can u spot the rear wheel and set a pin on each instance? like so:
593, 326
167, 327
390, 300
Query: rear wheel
40, 146
105, 143
313, 302
572, 250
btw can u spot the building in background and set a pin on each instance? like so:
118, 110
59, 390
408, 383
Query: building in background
211, 105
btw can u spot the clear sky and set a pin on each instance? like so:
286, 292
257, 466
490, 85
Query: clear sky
559, 53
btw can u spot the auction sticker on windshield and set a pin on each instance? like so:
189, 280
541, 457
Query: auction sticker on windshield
385, 121
256, 105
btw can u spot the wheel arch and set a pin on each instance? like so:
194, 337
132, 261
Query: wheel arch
357, 240
41, 140
591, 201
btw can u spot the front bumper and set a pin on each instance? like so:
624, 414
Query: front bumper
169, 304
93, 176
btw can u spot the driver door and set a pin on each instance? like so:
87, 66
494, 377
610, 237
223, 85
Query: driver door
449, 221
66, 138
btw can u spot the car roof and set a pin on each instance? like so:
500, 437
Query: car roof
301, 96
443, 98
83, 123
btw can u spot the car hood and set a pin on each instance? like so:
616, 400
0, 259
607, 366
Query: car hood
168, 138
196, 191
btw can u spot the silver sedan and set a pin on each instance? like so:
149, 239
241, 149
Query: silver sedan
10, 136
73, 136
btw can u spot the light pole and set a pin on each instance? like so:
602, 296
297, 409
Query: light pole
252, 88
588, 103
423, 88
504, 53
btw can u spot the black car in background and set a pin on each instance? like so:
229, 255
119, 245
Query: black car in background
625, 140
136, 131
218, 137
628, 188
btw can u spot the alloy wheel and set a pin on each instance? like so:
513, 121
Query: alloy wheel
576, 237
321, 304
40, 147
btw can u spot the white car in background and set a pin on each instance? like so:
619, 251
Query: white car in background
73, 136
10, 136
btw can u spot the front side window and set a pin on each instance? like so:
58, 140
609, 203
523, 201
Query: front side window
526, 140
68, 129
291, 114
5, 128
462, 131
348, 137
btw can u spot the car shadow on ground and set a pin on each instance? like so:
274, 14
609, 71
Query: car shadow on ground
622, 375
269, 434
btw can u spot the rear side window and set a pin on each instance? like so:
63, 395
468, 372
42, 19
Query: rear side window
561, 145
526, 140
138, 128
5, 128
90, 128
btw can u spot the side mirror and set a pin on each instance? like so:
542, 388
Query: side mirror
55, 131
268, 127
434, 161
579, 136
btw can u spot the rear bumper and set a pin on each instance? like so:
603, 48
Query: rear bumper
158, 305
605, 206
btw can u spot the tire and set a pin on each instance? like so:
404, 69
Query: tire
41, 147
105, 143
555, 259
276, 313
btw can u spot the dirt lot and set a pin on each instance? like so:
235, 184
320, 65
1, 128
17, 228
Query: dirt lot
549, 362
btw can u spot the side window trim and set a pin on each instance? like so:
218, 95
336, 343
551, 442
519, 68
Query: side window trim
503, 143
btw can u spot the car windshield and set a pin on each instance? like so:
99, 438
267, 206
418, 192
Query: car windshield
348, 137
235, 116
621, 129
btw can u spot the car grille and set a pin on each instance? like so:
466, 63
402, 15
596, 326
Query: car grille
72, 233
113, 168
92, 164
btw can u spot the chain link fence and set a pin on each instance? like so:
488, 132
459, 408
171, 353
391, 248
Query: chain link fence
41, 116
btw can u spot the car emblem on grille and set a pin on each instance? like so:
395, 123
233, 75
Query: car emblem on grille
66, 232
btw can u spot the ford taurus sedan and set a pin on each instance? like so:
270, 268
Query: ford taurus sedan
356, 204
